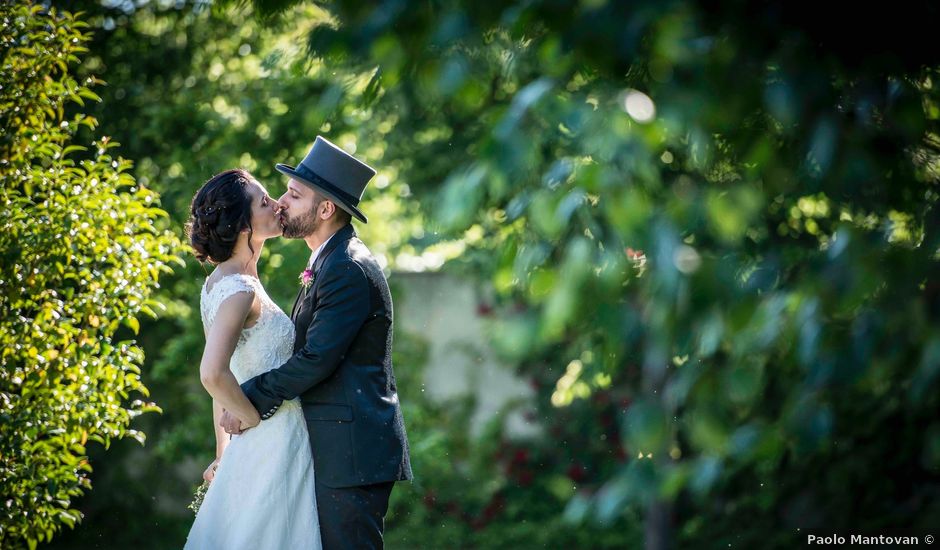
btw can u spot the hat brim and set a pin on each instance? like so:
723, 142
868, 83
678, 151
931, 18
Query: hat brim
289, 171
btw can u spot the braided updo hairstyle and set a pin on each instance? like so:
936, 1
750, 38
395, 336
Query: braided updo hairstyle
220, 210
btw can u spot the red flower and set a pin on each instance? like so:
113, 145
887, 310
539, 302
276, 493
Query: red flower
576, 472
634, 254
306, 278
525, 478
601, 397
620, 453
496, 503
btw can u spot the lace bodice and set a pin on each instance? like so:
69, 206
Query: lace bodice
265, 345
263, 492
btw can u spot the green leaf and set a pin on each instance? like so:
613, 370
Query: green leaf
645, 427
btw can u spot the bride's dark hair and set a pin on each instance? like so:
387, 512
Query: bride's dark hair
220, 210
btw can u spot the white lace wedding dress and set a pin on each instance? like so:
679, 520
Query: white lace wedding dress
262, 496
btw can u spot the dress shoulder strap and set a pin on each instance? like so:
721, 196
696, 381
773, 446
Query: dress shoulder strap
224, 288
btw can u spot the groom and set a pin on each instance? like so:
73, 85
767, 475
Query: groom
342, 363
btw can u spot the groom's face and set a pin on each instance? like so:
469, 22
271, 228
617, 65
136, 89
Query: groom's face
298, 213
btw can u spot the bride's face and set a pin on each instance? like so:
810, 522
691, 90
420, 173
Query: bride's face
265, 222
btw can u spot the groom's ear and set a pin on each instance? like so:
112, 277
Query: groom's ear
330, 209
338, 215
324, 208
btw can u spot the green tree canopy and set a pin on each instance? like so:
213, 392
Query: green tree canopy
723, 215
709, 230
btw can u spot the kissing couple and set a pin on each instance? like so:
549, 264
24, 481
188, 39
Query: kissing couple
309, 433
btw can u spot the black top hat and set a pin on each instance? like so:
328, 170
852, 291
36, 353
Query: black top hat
340, 176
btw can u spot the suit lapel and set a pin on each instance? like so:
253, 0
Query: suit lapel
346, 233
297, 301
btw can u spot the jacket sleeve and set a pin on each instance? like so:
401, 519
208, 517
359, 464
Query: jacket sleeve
341, 310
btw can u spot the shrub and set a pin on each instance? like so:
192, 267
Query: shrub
80, 255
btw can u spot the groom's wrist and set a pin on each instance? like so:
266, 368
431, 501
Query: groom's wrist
265, 409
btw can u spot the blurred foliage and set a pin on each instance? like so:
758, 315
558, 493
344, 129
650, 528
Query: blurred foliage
81, 258
721, 215
488, 492
709, 229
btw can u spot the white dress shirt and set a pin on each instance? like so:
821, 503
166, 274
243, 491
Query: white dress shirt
316, 253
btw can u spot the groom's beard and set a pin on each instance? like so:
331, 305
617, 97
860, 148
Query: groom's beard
301, 226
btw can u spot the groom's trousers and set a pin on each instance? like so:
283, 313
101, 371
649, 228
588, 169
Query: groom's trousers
353, 517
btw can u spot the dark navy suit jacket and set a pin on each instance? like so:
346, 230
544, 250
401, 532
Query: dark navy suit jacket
342, 370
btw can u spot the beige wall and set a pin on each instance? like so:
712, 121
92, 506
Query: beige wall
442, 309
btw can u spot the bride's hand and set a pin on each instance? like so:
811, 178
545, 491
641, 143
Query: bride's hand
209, 474
250, 423
235, 426
230, 423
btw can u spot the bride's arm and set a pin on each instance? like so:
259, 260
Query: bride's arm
221, 438
221, 441
214, 369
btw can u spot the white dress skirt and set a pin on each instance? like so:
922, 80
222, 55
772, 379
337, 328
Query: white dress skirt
262, 496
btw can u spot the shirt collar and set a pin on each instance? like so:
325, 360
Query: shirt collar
316, 253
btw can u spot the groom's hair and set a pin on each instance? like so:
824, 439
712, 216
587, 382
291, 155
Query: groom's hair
342, 216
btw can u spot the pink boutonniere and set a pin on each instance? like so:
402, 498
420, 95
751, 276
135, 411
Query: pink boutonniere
306, 278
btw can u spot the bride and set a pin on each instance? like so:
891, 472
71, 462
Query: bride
261, 493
